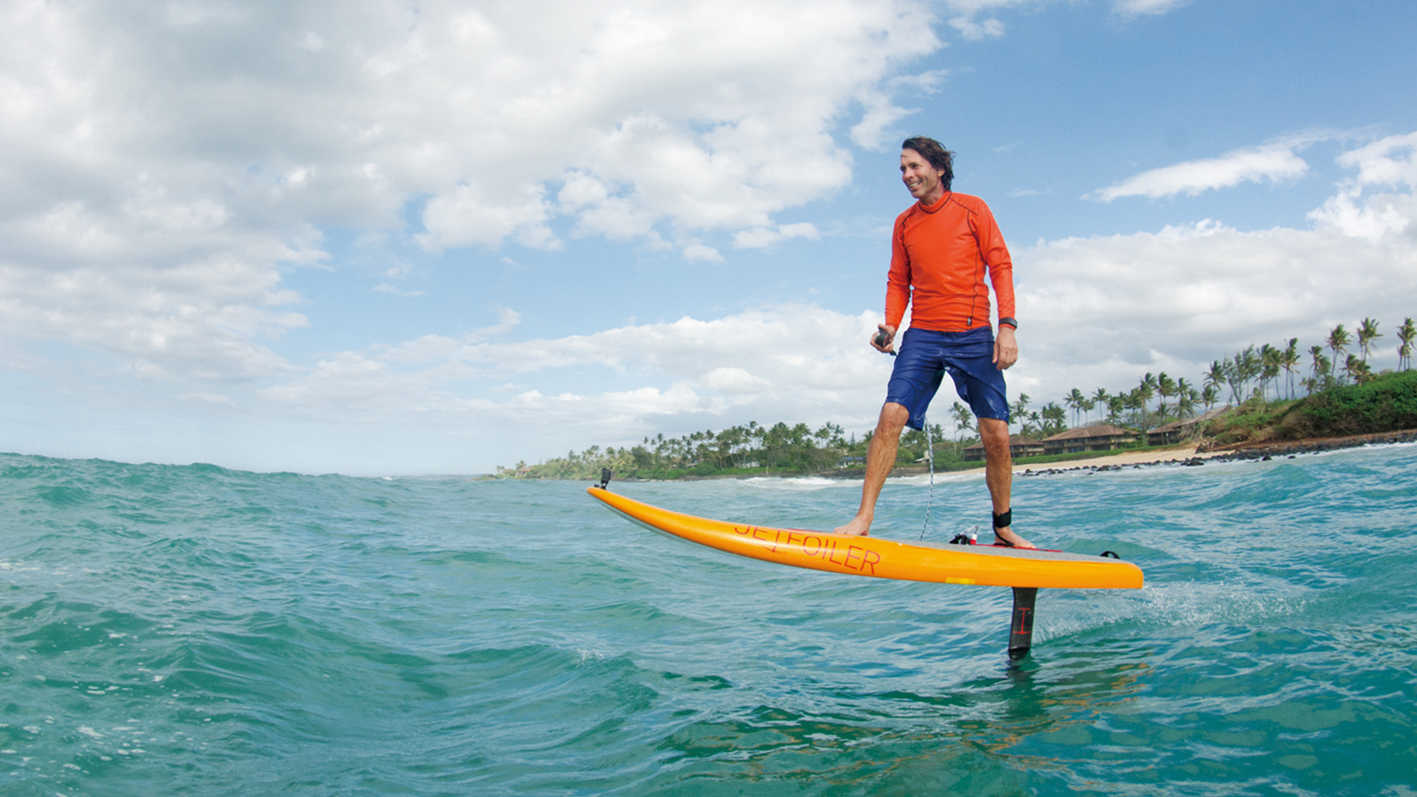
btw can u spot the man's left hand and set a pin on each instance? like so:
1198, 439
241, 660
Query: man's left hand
1005, 347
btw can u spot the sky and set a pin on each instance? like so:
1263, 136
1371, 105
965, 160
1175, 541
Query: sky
383, 238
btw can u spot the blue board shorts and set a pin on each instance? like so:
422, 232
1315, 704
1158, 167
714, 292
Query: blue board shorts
924, 357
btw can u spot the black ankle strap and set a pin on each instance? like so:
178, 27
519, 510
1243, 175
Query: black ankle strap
1005, 520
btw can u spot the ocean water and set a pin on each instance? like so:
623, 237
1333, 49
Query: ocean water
195, 630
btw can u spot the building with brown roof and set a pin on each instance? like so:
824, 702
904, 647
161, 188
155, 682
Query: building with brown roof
1176, 431
1018, 446
1095, 437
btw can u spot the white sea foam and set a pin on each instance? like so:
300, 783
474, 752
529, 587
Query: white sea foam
923, 479
794, 483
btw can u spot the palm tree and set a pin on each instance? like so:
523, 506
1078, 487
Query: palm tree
1320, 368
1115, 405
1247, 367
963, 419
1357, 369
1144, 391
1165, 387
1019, 411
1326, 368
1054, 418
1034, 423
1210, 394
1289, 361
830, 436
1186, 397
1405, 336
1270, 364
1075, 401
1338, 341
1367, 333
1237, 371
1226, 369
1214, 378
1100, 398
1136, 400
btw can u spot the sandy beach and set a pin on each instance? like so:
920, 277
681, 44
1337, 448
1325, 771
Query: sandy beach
1151, 457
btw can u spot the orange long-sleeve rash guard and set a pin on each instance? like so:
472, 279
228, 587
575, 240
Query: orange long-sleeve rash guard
939, 255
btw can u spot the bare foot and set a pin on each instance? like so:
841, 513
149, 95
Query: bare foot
1007, 535
860, 527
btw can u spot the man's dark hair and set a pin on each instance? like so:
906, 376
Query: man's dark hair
939, 157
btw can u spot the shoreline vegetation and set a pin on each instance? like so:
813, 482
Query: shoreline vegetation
1263, 417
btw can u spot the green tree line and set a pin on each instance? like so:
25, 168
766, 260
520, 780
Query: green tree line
739, 449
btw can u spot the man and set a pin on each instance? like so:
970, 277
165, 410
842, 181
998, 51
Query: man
941, 249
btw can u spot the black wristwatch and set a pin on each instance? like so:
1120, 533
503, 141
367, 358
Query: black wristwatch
1013, 322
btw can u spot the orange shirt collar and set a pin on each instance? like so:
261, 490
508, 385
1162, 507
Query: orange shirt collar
939, 203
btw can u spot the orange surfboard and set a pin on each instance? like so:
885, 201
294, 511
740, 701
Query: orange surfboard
984, 565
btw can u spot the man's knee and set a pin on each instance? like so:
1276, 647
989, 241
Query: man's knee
893, 418
993, 433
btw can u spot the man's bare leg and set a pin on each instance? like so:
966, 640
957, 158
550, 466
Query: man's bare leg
880, 459
999, 475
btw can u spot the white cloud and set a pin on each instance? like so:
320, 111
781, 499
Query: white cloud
703, 253
731, 380
1390, 161
1272, 162
394, 290
1143, 8
976, 29
1375, 216
204, 320
783, 362
184, 157
967, 16
473, 215
880, 111
646, 402
975, 7
507, 320
580, 190
207, 398
600, 213
880, 114
764, 237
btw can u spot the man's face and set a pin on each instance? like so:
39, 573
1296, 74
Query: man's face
920, 178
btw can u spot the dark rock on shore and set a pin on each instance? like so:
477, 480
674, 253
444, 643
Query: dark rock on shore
1255, 451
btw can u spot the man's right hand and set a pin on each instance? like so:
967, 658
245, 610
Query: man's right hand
881, 341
